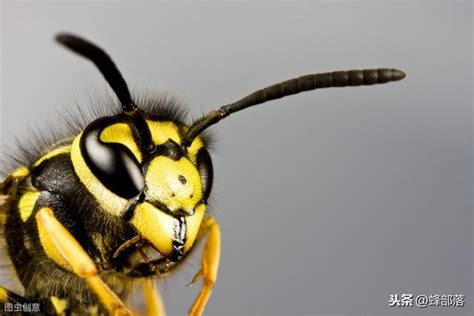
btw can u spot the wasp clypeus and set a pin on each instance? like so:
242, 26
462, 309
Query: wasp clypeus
124, 198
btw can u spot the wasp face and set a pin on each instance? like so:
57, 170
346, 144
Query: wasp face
162, 194
173, 206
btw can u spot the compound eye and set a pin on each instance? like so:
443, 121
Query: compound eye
204, 165
113, 164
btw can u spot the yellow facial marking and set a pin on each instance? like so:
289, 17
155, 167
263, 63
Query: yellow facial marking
160, 228
51, 154
162, 131
163, 173
193, 224
156, 226
20, 172
107, 200
176, 184
60, 305
194, 148
121, 133
27, 204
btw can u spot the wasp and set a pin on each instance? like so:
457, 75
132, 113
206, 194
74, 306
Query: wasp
123, 200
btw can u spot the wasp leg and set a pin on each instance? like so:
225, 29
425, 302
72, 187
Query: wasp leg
153, 302
66, 251
209, 265
7, 296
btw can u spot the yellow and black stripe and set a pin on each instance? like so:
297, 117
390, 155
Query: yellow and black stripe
61, 180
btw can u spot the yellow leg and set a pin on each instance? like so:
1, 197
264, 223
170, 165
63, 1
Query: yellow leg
8, 296
66, 251
153, 302
210, 264
3, 294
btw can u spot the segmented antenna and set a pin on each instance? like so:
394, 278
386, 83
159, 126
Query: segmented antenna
113, 76
293, 86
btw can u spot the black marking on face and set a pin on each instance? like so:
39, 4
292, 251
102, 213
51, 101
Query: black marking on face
179, 240
132, 204
170, 149
182, 179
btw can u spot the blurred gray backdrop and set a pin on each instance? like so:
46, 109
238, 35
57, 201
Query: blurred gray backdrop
329, 201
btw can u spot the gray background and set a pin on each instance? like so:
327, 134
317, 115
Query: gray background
329, 201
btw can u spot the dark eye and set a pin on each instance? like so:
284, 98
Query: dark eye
204, 165
113, 164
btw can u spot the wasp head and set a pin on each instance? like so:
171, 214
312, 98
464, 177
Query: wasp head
161, 192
